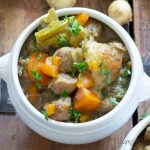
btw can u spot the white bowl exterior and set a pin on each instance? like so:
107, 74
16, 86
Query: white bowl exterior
134, 133
71, 133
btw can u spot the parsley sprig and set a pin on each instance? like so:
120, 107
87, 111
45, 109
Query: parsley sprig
106, 72
39, 57
126, 73
81, 67
35, 50
62, 41
64, 94
38, 85
71, 19
143, 116
37, 76
45, 115
75, 28
113, 101
74, 115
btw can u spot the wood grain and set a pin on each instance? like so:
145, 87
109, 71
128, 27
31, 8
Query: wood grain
142, 38
142, 28
15, 135
15, 15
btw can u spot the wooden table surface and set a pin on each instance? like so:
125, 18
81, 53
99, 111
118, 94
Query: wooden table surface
15, 15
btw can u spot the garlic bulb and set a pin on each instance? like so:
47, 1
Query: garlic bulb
120, 11
57, 4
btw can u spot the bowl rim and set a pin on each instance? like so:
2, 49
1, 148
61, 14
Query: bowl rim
134, 133
133, 52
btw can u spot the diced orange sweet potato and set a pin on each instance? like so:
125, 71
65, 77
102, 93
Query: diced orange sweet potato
84, 117
32, 93
50, 109
82, 18
86, 101
49, 70
34, 64
85, 80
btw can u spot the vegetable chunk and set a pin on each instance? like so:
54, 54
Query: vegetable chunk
82, 18
34, 68
86, 101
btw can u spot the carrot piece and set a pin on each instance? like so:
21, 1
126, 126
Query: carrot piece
34, 64
86, 101
82, 18
49, 70
84, 117
56, 60
50, 109
85, 80
32, 93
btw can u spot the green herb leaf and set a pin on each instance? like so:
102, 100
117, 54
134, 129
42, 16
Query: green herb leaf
75, 28
126, 73
37, 76
81, 67
38, 85
143, 116
73, 71
101, 64
20, 70
62, 41
39, 57
74, 115
71, 19
107, 72
35, 50
45, 115
113, 101
107, 80
64, 94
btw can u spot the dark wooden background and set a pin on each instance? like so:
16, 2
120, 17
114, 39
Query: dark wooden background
15, 15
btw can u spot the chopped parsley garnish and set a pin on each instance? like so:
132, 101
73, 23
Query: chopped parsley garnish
75, 28
143, 116
113, 101
72, 18
20, 70
106, 72
35, 50
73, 71
39, 57
45, 115
37, 76
62, 41
64, 94
81, 67
38, 85
101, 64
74, 115
126, 73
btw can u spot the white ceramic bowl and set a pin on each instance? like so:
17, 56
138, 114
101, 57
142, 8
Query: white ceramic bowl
134, 133
80, 133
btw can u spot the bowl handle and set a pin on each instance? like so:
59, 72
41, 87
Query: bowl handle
4, 60
145, 89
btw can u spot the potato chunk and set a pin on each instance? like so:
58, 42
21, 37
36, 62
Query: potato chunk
100, 57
